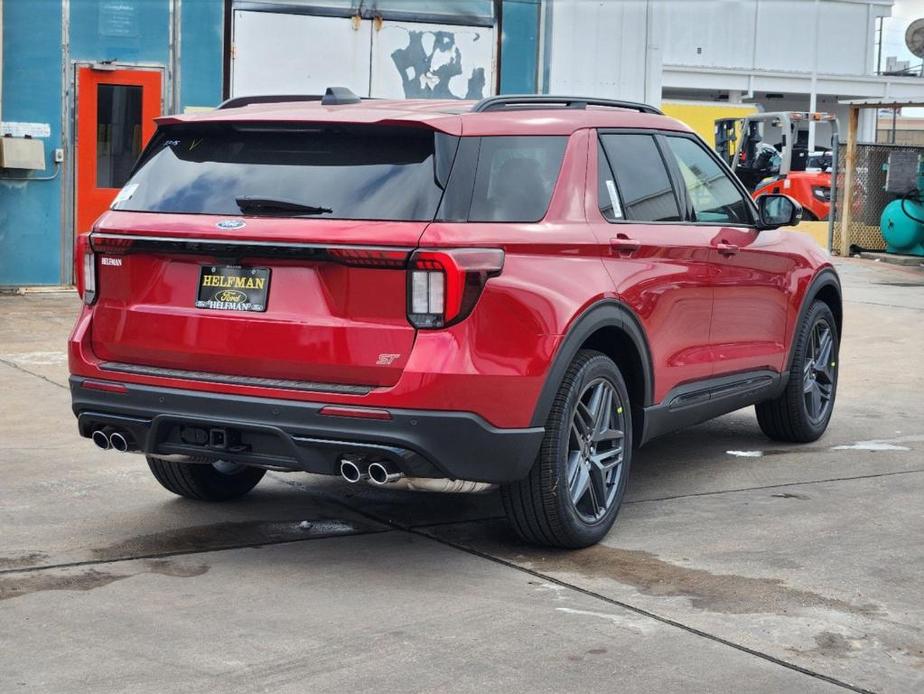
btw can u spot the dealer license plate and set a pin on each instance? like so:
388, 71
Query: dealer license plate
233, 288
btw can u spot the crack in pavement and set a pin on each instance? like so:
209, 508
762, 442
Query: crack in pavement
420, 531
877, 303
774, 486
186, 552
14, 365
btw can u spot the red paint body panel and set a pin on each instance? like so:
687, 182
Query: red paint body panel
702, 313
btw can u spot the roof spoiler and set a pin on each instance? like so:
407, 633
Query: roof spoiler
333, 96
528, 101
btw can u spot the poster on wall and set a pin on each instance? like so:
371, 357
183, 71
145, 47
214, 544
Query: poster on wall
411, 60
281, 53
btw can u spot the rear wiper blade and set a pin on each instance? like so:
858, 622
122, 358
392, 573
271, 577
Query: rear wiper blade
253, 203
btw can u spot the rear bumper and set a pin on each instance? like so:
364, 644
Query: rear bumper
294, 435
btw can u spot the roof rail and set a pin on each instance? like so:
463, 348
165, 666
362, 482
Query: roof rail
496, 103
238, 101
333, 96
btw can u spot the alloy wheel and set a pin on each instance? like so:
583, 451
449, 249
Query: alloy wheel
596, 449
819, 372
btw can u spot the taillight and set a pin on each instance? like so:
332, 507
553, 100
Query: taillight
111, 244
369, 257
86, 270
444, 286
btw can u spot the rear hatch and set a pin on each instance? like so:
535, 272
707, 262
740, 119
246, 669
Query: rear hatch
267, 252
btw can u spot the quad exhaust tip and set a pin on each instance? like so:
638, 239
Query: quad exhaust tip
101, 439
108, 438
118, 442
351, 472
384, 473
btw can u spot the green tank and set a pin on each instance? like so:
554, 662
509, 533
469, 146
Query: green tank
902, 225
902, 221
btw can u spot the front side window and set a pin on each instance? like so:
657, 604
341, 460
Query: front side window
641, 178
710, 190
514, 177
323, 171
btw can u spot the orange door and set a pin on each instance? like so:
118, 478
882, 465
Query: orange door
115, 119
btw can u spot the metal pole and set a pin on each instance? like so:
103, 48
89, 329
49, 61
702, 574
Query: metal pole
850, 164
835, 160
879, 52
1, 59
813, 98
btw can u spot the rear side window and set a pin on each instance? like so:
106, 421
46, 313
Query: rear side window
641, 178
323, 171
709, 188
514, 178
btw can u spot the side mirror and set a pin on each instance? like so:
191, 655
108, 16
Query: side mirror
778, 211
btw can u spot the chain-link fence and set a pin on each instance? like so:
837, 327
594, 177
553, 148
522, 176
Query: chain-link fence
868, 197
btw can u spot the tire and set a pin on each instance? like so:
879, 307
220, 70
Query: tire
548, 508
205, 481
792, 416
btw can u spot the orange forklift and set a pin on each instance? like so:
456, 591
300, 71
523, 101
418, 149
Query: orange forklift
788, 166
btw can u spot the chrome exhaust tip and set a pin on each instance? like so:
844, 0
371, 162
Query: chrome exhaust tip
119, 442
383, 473
101, 439
351, 472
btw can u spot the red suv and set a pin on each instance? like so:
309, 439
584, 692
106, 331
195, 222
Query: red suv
519, 291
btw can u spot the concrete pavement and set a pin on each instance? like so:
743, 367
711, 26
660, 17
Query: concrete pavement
736, 562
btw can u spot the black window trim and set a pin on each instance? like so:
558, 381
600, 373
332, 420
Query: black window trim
601, 150
653, 134
673, 170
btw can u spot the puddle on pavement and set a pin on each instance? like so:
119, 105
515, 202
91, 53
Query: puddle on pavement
18, 585
650, 575
727, 593
230, 534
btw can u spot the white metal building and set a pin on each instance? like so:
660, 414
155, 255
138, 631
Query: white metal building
781, 54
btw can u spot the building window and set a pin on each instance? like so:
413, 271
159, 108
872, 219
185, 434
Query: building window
118, 133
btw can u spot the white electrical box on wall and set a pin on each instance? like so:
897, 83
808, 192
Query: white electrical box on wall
22, 153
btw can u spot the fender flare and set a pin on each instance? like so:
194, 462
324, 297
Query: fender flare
608, 313
826, 277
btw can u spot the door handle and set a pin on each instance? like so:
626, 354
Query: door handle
623, 245
726, 248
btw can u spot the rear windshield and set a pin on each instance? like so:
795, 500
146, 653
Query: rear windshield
344, 172
328, 172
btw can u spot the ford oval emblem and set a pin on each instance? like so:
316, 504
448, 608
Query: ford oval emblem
231, 296
230, 224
